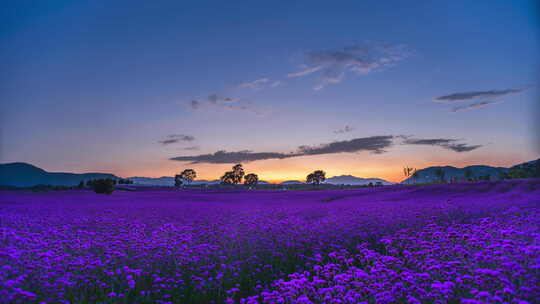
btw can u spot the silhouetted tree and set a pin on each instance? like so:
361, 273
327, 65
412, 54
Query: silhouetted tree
81, 185
103, 185
408, 172
228, 178
233, 177
188, 175
317, 177
251, 180
537, 171
440, 174
238, 173
178, 181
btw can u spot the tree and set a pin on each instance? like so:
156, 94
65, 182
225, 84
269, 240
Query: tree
188, 175
469, 175
81, 185
178, 181
238, 173
317, 177
251, 180
439, 172
233, 177
103, 185
228, 178
410, 172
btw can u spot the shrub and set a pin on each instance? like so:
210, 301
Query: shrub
103, 185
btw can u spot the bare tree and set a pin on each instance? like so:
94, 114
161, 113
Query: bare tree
409, 172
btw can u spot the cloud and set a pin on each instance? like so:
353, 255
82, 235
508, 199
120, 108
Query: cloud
259, 84
450, 144
192, 148
255, 84
465, 96
195, 104
176, 138
343, 130
218, 102
224, 157
374, 144
474, 105
360, 58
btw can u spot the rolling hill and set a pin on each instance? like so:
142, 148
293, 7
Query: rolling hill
26, 175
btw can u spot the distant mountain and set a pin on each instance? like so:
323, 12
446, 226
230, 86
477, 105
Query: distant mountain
353, 180
427, 175
531, 169
291, 182
26, 175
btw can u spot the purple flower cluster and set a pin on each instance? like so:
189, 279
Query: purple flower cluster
490, 260
469, 243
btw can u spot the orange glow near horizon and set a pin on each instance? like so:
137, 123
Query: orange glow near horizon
388, 166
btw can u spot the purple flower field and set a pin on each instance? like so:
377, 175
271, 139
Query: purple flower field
454, 243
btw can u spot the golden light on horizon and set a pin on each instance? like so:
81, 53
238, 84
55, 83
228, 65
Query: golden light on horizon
388, 166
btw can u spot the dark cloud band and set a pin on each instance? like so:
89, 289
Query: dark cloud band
373, 144
465, 96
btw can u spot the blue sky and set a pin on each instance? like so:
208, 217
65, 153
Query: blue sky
99, 86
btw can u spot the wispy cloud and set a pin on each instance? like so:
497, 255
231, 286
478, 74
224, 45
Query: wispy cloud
343, 130
361, 58
218, 102
447, 143
474, 105
466, 96
176, 138
372, 144
259, 84
192, 148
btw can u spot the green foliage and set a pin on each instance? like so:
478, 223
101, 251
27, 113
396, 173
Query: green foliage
517, 173
103, 185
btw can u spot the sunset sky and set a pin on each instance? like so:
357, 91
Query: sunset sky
149, 88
